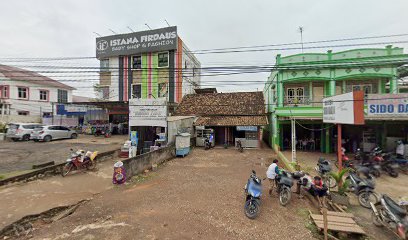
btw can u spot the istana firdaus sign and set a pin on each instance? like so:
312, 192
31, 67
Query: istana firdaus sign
156, 40
387, 105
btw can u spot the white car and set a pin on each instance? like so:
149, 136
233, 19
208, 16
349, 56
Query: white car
48, 133
21, 131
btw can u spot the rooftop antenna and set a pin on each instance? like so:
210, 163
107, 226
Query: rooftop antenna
130, 29
301, 36
112, 31
148, 26
167, 22
97, 34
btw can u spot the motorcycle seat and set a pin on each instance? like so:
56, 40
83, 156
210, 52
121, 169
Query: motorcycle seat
394, 207
298, 174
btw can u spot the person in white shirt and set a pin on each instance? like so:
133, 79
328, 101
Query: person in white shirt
400, 149
271, 173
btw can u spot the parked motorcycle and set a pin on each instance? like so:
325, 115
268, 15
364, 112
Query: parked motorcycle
367, 161
239, 146
363, 188
389, 165
402, 163
253, 192
79, 160
101, 132
324, 168
388, 213
284, 183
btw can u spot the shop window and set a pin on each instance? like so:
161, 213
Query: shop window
4, 91
23, 113
62, 96
47, 114
22, 92
104, 64
136, 62
295, 95
136, 90
44, 95
162, 89
104, 92
251, 135
163, 59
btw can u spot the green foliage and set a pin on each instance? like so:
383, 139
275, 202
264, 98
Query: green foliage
342, 187
3, 127
402, 71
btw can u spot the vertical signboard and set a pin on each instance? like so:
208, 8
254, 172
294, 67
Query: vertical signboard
345, 108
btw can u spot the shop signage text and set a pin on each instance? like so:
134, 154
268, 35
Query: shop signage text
139, 42
247, 128
148, 112
387, 105
345, 108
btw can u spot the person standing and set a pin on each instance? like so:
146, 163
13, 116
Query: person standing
271, 173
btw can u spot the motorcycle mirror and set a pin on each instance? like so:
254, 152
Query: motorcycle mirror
253, 171
72, 149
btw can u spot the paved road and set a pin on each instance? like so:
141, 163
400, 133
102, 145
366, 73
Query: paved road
19, 156
196, 197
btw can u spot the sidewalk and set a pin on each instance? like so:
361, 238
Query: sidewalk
34, 197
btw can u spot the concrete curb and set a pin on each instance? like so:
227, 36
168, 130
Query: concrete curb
54, 169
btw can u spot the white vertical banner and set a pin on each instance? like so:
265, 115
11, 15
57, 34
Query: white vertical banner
148, 112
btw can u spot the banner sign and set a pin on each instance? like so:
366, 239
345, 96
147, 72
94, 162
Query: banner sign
345, 108
247, 128
387, 105
148, 112
162, 39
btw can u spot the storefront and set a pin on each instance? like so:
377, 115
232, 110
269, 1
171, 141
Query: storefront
227, 118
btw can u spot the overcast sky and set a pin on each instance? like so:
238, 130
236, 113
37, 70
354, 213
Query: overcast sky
50, 28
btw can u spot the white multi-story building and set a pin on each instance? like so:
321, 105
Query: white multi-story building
26, 96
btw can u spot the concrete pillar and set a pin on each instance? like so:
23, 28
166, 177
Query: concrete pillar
393, 85
280, 92
332, 87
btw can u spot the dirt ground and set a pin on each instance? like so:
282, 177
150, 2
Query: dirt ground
20, 156
393, 187
197, 197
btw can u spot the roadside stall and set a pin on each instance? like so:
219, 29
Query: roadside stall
182, 144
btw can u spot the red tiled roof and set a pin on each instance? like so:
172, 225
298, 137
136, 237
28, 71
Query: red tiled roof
232, 121
19, 74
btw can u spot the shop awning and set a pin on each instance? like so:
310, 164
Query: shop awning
232, 121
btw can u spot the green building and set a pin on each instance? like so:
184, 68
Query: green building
298, 84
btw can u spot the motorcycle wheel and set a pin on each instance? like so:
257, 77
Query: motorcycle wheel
376, 173
251, 209
376, 220
91, 165
393, 173
66, 169
284, 196
365, 197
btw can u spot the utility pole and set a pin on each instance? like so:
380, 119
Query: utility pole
301, 36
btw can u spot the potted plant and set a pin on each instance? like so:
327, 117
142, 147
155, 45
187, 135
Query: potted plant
340, 197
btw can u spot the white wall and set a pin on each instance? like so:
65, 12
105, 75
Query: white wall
33, 105
188, 78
